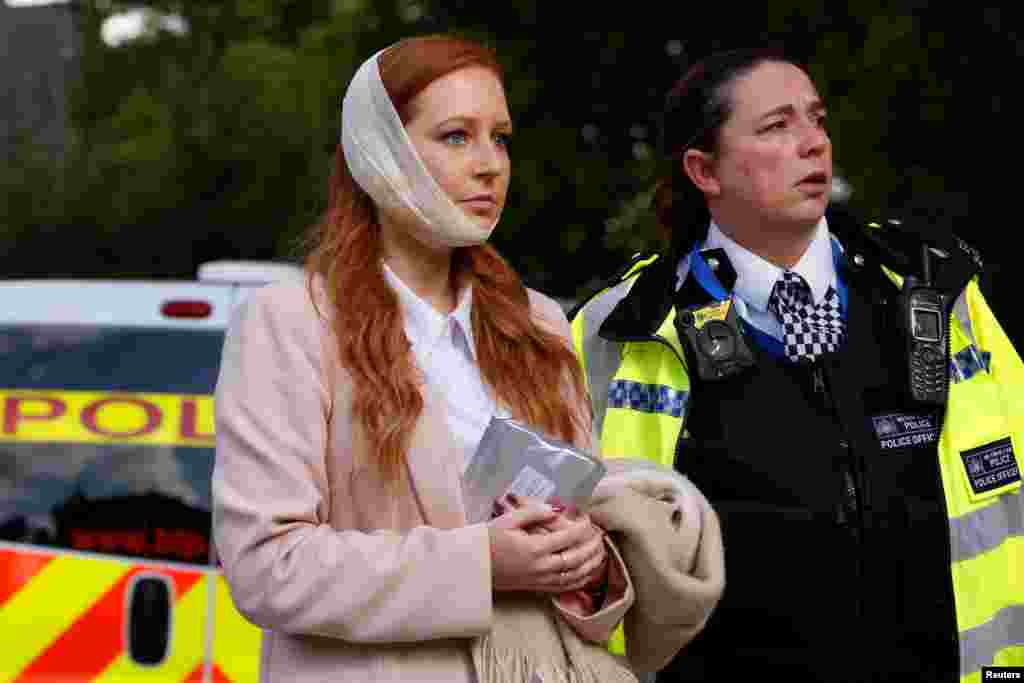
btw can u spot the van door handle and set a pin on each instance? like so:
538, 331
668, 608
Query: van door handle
149, 619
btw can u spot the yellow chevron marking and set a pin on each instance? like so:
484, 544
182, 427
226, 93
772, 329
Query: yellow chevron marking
185, 651
50, 603
236, 647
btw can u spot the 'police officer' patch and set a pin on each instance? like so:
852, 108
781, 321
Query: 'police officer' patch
902, 430
991, 466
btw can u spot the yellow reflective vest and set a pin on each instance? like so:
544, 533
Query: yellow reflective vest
640, 390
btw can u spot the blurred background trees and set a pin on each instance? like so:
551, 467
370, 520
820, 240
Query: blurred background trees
212, 135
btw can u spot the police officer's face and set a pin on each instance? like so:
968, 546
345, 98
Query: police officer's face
774, 161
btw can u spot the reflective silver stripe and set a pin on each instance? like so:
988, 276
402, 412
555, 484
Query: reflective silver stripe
979, 645
962, 313
984, 529
602, 357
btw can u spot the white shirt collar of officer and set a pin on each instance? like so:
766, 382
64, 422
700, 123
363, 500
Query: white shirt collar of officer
755, 277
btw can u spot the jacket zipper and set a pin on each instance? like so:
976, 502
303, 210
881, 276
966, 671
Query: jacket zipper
850, 512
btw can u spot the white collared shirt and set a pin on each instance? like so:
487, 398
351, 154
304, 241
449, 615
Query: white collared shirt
755, 277
445, 352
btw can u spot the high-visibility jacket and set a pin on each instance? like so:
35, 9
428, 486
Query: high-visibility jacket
640, 389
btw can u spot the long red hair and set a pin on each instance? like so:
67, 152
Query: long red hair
529, 369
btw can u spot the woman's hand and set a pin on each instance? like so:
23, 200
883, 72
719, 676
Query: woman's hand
596, 569
589, 598
566, 555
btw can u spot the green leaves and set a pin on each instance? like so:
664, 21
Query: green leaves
218, 143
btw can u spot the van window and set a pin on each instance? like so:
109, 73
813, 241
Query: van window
173, 361
106, 439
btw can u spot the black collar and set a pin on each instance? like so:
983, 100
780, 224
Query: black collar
900, 250
642, 311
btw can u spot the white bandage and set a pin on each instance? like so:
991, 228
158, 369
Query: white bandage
384, 163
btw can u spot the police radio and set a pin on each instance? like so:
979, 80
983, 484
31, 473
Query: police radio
715, 340
922, 313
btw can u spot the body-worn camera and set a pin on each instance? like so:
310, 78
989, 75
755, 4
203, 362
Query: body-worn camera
922, 316
715, 340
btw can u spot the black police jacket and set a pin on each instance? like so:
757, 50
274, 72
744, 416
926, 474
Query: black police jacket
837, 544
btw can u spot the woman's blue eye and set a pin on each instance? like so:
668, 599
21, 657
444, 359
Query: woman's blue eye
456, 137
503, 139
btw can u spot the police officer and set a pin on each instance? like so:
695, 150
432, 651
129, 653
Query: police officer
841, 393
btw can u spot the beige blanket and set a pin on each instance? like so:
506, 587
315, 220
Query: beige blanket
671, 542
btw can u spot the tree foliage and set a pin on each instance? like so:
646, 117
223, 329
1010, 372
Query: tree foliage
218, 143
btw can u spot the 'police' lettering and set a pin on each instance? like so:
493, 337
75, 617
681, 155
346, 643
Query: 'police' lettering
90, 417
104, 417
991, 466
190, 421
900, 430
13, 411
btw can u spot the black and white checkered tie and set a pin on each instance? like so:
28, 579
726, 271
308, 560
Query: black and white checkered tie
809, 329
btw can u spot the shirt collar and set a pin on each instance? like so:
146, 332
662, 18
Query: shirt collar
424, 323
463, 316
755, 277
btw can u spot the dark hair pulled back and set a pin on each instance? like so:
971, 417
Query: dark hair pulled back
695, 109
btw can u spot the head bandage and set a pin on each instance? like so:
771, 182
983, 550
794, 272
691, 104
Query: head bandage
384, 163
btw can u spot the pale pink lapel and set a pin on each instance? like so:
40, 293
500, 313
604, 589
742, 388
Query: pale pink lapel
434, 468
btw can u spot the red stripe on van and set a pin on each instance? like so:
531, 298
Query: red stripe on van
17, 568
197, 675
96, 638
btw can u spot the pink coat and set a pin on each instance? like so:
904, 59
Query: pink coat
349, 584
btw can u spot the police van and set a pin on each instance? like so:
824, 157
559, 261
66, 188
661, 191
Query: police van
106, 455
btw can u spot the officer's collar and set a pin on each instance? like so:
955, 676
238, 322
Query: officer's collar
865, 250
757, 275
899, 248
641, 312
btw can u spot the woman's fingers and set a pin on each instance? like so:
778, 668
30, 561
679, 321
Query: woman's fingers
553, 552
588, 558
593, 546
574, 567
594, 568
529, 514
560, 582
574, 533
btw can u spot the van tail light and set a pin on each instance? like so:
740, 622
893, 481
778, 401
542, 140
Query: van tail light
186, 309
